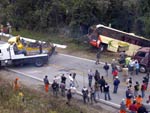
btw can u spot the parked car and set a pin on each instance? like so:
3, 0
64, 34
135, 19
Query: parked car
143, 57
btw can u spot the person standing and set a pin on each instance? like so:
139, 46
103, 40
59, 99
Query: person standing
92, 95
102, 84
146, 80
142, 109
133, 107
85, 94
125, 73
9, 28
122, 59
98, 57
136, 88
116, 84
131, 66
113, 64
139, 100
122, 106
137, 66
115, 73
63, 79
75, 80
129, 81
2, 29
46, 83
90, 77
63, 88
97, 76
106, 92
143, 89
69, 96
71, 84
97, 90
16, 84
55, 87
106, 68
129, 96
147, 104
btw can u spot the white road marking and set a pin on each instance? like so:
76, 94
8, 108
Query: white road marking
80, 58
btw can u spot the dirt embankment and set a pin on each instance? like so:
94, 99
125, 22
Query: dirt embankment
35, 100
90, 54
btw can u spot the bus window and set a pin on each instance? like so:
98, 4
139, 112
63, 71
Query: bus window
141, 54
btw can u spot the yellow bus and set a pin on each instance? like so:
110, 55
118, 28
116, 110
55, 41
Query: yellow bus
104, 37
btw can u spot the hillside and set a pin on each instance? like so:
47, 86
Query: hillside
35, 100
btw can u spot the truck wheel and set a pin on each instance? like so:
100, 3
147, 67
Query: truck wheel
142, 69
39, 62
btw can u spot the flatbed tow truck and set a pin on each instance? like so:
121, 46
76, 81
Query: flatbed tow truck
34, 52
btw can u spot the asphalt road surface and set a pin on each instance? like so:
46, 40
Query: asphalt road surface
64, 64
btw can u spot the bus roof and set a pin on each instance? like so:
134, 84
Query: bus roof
131, 34
145, 49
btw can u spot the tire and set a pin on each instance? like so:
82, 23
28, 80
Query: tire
143, 69
39, 62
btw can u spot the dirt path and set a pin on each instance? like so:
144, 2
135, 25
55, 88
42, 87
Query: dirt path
90, 54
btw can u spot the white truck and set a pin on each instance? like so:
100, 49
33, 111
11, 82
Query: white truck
9, 57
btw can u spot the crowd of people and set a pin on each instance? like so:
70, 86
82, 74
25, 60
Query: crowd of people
98, 85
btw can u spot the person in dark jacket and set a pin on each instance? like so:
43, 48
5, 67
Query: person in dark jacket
63, 79
146, 80
55, 87
116, 84
106, 68
122, 106
129, 96
142, 109
136, 88
85, 94
102, 84
69, 96
106, 92
96, 76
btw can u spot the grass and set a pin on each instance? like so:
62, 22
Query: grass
72, 43
36, 101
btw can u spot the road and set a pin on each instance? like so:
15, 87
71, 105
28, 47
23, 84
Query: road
61, 63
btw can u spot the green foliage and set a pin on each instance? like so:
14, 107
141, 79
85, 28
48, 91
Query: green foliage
34, 101
78, 15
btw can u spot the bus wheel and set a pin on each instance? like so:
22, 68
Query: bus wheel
142, 69
103, 47
39, 62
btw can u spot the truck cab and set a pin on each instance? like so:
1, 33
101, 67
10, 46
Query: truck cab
143, 57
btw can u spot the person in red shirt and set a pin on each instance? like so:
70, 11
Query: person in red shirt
133, 107
115, 73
